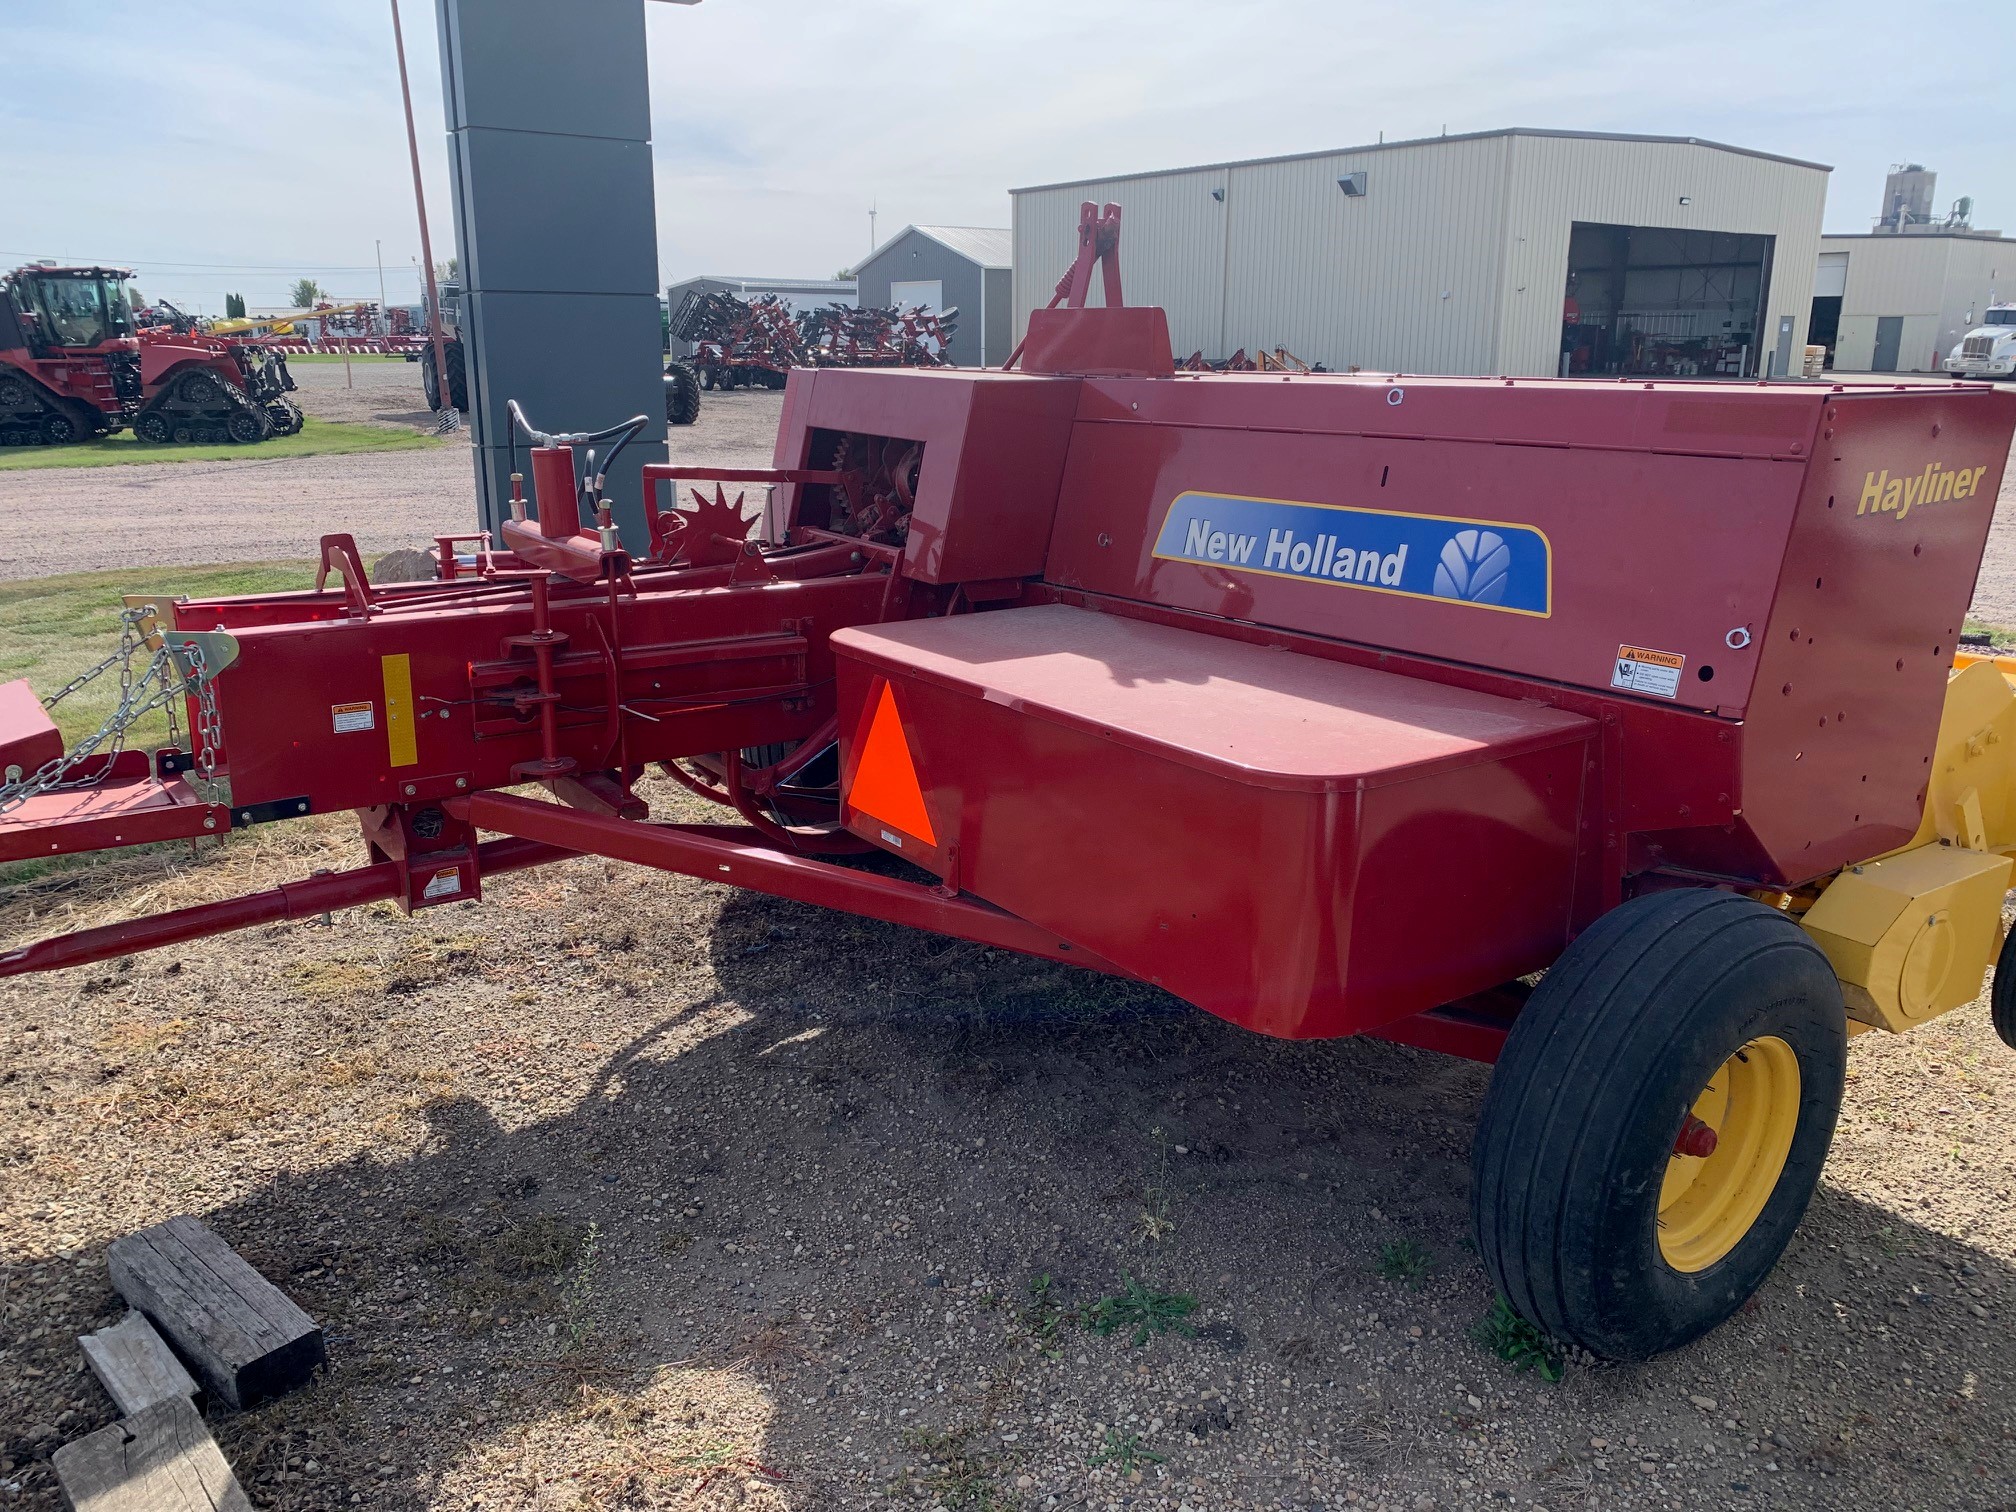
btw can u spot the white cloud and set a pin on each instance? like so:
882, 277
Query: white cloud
249, 133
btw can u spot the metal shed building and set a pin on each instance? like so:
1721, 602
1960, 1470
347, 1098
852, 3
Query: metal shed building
943, 268
1890, 303
1522, 252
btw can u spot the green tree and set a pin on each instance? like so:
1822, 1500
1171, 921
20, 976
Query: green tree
234, 306
304, 294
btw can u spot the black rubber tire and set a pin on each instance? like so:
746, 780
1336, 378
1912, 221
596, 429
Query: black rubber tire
152, 427
2002, 993
59, 428
682, 394
1602, 1065
200, 388
15, 394
247, 426
458, 377
430, 380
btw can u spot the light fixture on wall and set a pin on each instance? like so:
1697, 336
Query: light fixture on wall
1218, 195
1686, 199
1353, 184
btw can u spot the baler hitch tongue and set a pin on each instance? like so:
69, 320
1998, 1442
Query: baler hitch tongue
98, 793
177, 669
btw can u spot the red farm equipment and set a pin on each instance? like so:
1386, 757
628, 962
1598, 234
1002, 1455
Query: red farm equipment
1332, 704
754, 343
75, 363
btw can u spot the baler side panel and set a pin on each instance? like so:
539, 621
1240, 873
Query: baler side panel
1864, 623
1656, 549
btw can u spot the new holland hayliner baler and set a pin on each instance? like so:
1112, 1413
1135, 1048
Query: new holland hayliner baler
1332, 704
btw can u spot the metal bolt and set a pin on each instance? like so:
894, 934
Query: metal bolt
209, 821
461, 782
1737, 639
411, 790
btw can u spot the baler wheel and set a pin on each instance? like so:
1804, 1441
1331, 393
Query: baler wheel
1604, 1211
2002, 993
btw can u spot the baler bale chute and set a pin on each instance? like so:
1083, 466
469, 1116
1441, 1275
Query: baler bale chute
1610, 732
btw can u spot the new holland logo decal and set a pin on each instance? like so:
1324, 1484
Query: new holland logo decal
1486, 564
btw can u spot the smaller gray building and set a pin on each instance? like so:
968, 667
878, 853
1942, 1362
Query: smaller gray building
799, 293
966, 268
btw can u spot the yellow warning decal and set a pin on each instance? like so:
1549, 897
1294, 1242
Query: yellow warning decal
1638, 670
399, 709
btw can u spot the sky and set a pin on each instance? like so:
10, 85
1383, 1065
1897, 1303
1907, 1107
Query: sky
236, 145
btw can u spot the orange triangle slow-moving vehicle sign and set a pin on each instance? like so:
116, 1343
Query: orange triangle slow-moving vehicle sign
885, 783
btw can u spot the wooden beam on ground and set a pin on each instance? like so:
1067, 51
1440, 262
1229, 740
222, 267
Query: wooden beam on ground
135, 1366
161, 1459
241, 1334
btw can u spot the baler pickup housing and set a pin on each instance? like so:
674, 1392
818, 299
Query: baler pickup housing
1242, 825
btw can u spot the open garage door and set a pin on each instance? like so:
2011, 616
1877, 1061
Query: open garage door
1664, 302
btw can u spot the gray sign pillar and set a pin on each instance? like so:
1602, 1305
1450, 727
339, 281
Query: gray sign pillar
549, 151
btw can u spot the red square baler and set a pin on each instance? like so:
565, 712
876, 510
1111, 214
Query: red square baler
1614, 732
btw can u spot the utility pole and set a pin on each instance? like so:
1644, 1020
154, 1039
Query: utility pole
450, 416
384, 314
871, 225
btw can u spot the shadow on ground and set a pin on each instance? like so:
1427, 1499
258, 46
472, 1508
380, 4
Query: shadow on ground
778, 1253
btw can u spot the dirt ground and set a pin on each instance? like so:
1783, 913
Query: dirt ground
626, 1191
194, 513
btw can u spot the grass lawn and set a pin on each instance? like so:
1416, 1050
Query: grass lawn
51, 629
317, 438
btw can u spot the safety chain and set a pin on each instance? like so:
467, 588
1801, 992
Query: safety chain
159, 684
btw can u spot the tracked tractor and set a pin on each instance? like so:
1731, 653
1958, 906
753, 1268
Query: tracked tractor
1610, 733
69, 358
75, 364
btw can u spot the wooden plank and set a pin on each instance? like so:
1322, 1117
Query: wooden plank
243, 1337
162, 1459
135, 1365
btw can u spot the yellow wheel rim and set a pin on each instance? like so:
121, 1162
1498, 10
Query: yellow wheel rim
1708, 1203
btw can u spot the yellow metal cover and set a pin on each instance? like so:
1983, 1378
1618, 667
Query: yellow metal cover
1910, 936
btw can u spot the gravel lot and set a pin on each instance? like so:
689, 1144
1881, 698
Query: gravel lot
754, 1221
191, 513
629, 1191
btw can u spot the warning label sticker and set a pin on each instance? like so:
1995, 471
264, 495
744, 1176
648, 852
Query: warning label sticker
352, 717
1638, 670
443, 884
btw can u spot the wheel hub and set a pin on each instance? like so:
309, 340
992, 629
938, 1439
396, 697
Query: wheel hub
1708, 1201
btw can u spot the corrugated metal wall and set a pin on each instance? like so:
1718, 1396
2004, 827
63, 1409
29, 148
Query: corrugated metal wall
1934, 282
1455, 260
1403, 278
1172, 249
1556, 181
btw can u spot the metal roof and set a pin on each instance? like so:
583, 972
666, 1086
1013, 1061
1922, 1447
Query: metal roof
786, 285
988, 246
1913, 236
1467, 136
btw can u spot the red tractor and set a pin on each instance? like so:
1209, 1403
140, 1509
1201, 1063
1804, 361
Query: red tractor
74, 364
